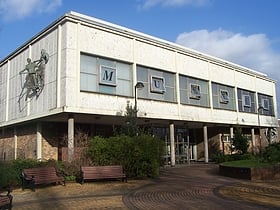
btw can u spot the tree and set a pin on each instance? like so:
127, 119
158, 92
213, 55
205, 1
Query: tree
240, 142
130, 127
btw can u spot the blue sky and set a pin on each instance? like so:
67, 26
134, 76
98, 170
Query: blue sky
245, 32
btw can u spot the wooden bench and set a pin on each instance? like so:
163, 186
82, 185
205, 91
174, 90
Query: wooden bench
43, 175
102, 172
6, 200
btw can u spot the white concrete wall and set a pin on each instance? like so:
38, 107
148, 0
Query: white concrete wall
114, 45
64, 43
14, 108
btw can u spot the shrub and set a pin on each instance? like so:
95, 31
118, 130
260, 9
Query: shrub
272, 153
12, 170
10, 175
107, 151
140, 155
218, 157
240, 142
144, 157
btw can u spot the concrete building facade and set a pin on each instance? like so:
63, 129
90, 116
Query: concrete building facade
83, 71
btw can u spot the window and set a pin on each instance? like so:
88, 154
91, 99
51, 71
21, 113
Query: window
104, 75
224, 96
157, 84
226, 138
108, 75
265, 104
195, 91
246, 100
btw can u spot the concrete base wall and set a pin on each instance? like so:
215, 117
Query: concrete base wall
265, 173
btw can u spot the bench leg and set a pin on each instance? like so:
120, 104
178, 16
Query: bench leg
22, 184
33, 186
11, 201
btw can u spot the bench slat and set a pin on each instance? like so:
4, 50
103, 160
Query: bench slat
6, 201
102, 172
43, 175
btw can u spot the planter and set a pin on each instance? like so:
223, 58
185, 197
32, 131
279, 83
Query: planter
260, 173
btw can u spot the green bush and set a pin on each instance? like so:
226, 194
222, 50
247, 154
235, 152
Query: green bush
107, 151
10, 175
240, 142
220, 157
272, 153
140, 155
11, 170
144, 157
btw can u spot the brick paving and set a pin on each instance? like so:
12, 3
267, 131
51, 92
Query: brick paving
199, 186
195, 186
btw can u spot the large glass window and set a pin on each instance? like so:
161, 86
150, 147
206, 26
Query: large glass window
266, 102
194, 91
105, 76
158, 84
246, 101
223, 97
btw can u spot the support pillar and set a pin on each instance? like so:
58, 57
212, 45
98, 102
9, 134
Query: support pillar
70, 138
172, 143
188, 147
39, 141
205, 137
16, 141
253, 141
231, 133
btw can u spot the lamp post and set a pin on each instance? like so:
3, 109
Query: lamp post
223, 143
139, 85
259, 123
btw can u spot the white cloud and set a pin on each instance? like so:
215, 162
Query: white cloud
172, 3
18, 9
253, 51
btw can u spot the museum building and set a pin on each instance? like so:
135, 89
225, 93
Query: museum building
79, 74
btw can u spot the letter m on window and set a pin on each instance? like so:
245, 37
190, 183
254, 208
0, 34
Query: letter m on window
108, 76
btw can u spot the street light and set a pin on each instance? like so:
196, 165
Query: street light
139, 85
259, 110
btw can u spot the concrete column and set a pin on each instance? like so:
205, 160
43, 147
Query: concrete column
231, 133
194, 152
16, 139
205, 137
172, 143
253, 141
58, 63
39, 141
188, 147
70, 138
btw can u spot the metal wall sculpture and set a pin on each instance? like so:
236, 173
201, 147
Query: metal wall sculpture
35, 76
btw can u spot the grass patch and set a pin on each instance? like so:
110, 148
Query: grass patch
246, 163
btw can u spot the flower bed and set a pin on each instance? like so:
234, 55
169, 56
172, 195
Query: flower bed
254, 173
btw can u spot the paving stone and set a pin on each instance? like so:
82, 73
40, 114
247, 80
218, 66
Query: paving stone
195, 186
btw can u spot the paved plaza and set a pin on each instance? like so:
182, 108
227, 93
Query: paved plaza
195, 186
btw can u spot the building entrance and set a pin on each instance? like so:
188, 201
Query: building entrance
185, 149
